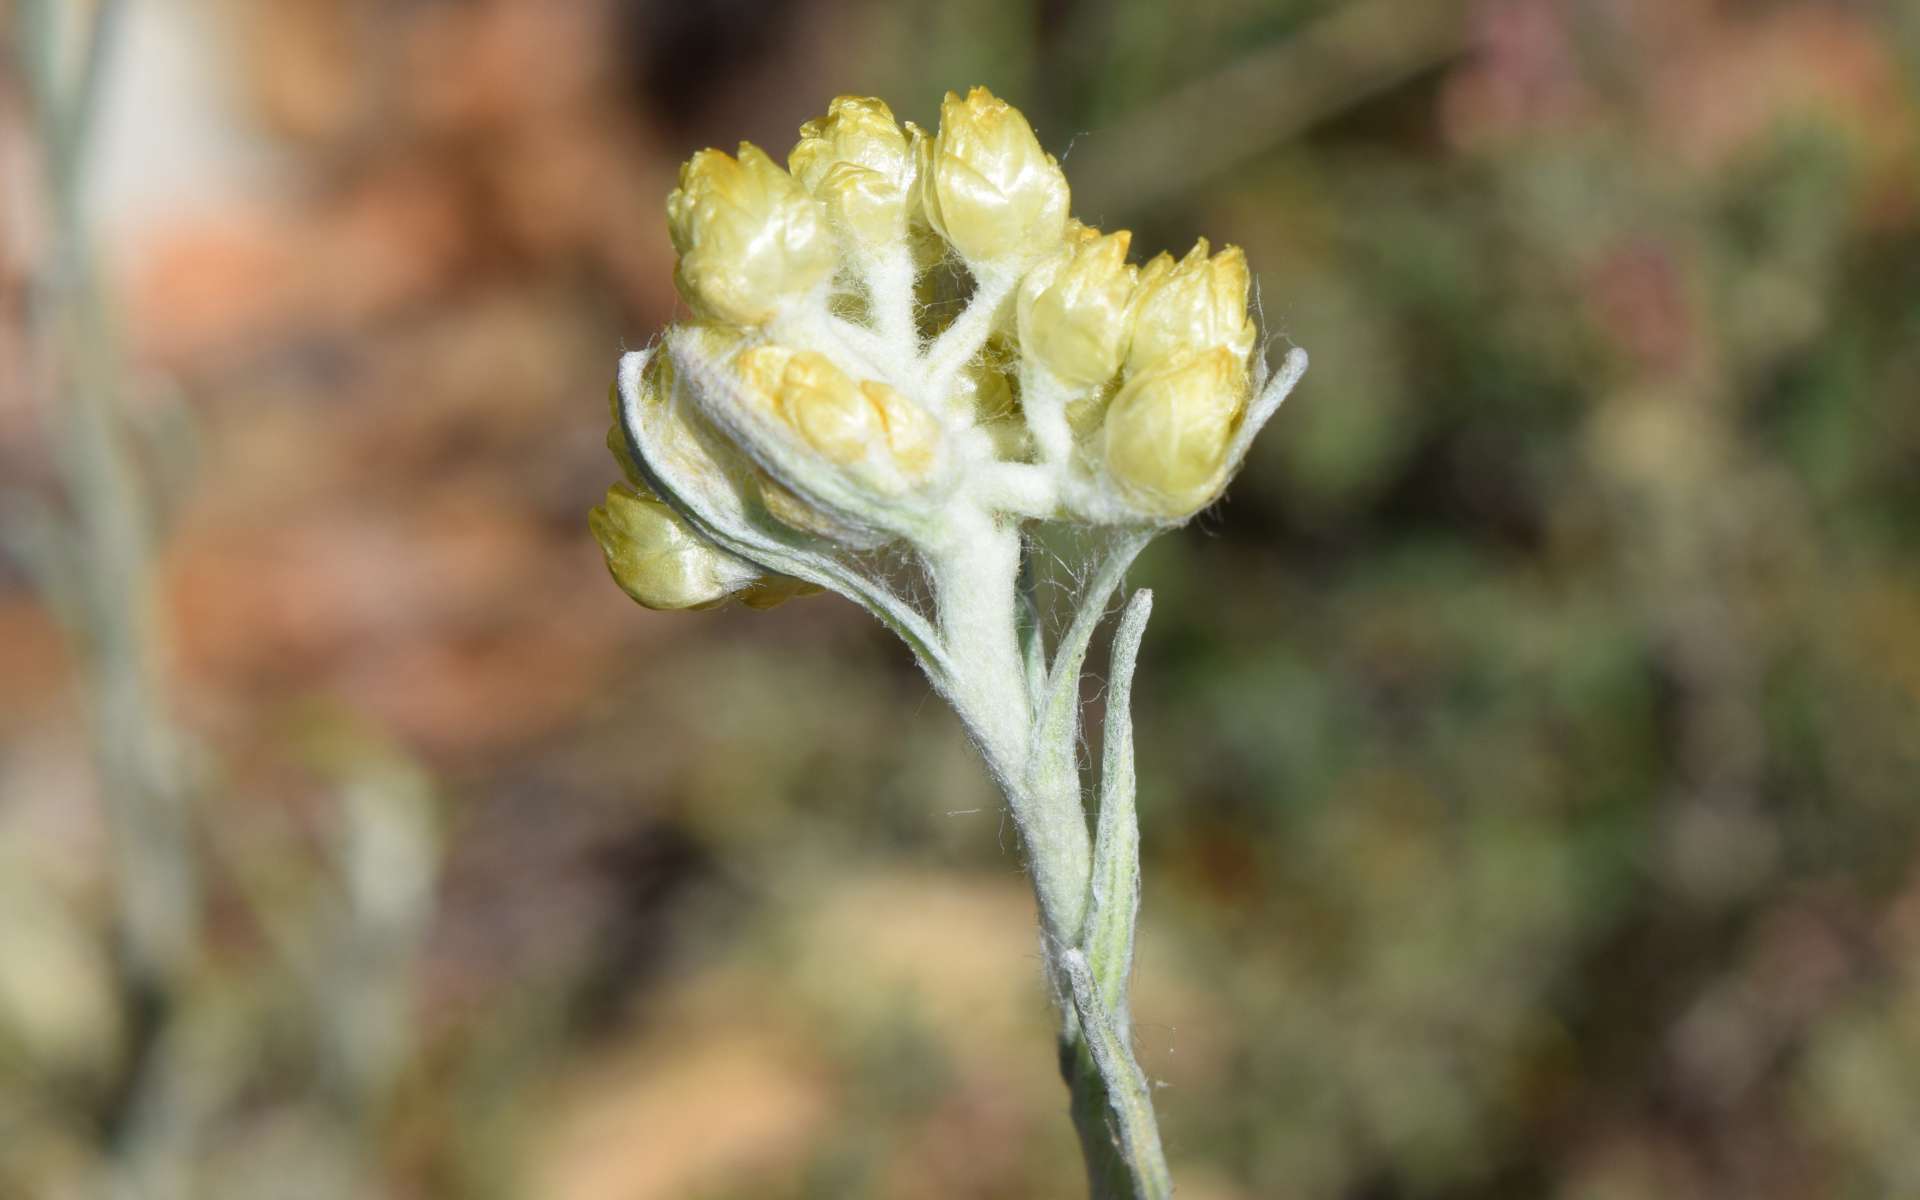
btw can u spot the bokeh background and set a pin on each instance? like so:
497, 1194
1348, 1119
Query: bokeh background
1529, 744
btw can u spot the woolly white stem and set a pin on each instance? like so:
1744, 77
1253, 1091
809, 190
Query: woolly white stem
974, 576
956, 346
1043, 398
1019, 489
849, 344
889, 276
973, 573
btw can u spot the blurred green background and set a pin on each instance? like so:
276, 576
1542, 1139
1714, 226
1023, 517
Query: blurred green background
1529, 744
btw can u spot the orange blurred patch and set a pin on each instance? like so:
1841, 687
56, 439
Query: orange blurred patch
232, 282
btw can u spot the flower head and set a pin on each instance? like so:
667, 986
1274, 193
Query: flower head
657, 559
750, 238
1168, 430
1198, 303
1073, 314
817, 409
989, 188
865, 427
856, 161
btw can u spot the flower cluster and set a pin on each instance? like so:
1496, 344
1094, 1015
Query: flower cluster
899, 330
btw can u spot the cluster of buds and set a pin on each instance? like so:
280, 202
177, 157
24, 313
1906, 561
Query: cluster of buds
827, 397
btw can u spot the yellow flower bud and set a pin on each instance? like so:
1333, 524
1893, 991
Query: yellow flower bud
813, 397
749, 236
913, 436
657, 559
827, 408
1073, 309
1197, 304
1168, 430
856, 161
988, 187
847, 423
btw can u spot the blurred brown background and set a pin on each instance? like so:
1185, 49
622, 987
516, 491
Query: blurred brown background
1529, 746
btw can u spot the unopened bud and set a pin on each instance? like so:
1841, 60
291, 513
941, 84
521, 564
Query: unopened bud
1073, 309
817, 399
1168, 430
749, 236
856, 161
913, 436
658, 560
1194, 305
853, 424
988, 187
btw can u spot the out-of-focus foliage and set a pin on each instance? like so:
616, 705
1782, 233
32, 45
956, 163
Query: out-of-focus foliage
1530, 745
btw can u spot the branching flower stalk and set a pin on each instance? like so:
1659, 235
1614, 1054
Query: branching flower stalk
92, 557
904, 360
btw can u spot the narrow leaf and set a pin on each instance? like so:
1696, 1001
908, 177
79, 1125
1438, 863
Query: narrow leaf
1129, 1102
1115, 899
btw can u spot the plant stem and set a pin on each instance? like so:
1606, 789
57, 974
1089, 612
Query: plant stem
1112, 1103
975, 583
1087, 889
961, 341
106, 551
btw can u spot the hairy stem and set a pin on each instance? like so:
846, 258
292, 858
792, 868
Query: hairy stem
73, 364
1113, 1104
1043, 400
974, 578
960, 341
975, 582
1087, 889
889, 277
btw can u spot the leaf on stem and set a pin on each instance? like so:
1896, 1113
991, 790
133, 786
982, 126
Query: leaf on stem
1115, 892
